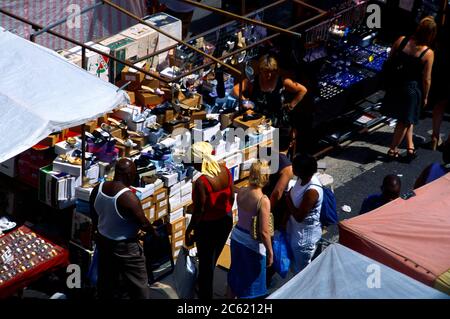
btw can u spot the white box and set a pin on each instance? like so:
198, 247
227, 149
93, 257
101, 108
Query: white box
186, 189
152, 213
175, 189
64, 148
75, 170
143, 192
233, 160
127, 113
123, 48
177, 214
233, 146
220, 149
175, 202
162, 213
168, 24
96, 64
146, 37
205, 135
83, 193
169, 179
186, 199
235, 171
161, 204
9, 167
245, 166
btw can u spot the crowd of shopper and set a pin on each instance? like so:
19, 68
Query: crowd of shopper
296, 210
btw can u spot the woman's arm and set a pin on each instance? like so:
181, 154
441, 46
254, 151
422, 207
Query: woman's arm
309, 201
426, 77
245, 85
199, 209
285, 176
295, 87
264, 214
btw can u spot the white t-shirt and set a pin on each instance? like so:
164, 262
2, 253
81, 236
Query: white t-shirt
177, 6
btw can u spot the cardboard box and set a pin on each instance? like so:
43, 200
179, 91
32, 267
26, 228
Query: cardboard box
169, 179
174, 202
186, 199
147, 202
162, 203
143, 192
150, 82
130, 74
160, 194
168, 24
250, 153
178, 225
123, 48
160, 213
145, 98
51, 140
238, 122
144, 36
89, 127
186, 189
177, 243
174, 189
176, 215
150, 213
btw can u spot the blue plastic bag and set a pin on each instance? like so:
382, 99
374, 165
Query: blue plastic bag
93, 269
281, 253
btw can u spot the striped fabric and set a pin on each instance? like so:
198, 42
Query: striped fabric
96, 24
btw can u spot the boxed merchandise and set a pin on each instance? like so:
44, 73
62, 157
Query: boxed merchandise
160, 194
235, 171
144, 36
186, 189
65, 148
176, 215
186, 199
162, 203
174, 189
75, 170
89, 126
160, 213
250, 153
205, 134
168, 24
83, 193
143, 192
122, 48
148, 99
96, 64
239, 122
130, 74
150, 82
177, 243
233, 160
169, 179
146, 203
175, 202
178, 228
9, 167
132, 97
220, 149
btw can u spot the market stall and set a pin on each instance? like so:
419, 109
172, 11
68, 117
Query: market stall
341, 273
411, 236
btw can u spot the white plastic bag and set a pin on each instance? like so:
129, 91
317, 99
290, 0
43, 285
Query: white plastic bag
185, 274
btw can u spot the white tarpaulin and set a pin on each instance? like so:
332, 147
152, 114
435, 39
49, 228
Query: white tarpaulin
341, 273
41, 93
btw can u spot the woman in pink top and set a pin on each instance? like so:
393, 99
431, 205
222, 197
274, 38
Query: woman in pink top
249, 257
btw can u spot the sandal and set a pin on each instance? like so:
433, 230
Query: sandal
411, 154
435, 143
392, 155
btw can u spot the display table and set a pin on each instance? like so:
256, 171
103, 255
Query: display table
25, 257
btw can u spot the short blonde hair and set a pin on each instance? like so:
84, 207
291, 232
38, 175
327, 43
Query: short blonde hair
267, 64
259, 174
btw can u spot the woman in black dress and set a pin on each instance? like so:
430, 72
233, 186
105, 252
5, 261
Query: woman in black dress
405, 96
268, 91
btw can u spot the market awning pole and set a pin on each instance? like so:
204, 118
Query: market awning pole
209, 31
142, 21
241, 18
83, 127
57, 23
65, 38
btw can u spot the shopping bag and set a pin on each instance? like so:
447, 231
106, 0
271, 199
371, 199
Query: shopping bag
92, 274
281, 255
185, 274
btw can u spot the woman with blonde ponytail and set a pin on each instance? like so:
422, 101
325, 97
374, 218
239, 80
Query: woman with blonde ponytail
211, 221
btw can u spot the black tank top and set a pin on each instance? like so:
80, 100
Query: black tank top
268, 103
413, 66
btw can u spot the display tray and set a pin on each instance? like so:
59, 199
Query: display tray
25, 257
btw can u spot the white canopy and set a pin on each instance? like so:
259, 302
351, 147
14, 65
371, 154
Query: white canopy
341, 273
41, 93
